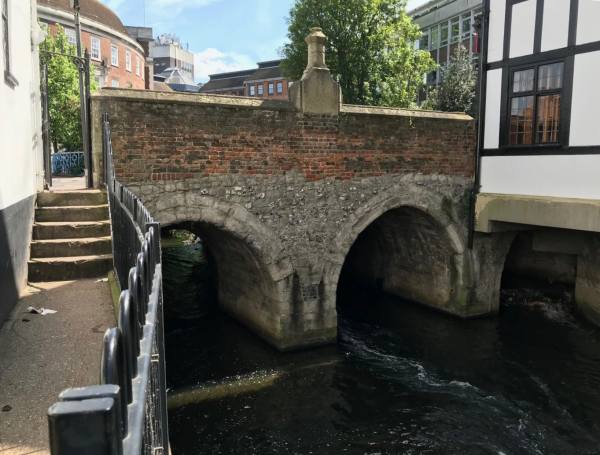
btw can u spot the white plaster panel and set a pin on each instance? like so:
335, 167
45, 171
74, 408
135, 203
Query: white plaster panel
588, 18
555, 25
493, 98
496, 31
522, 28
574, 176
20, 112
585, 104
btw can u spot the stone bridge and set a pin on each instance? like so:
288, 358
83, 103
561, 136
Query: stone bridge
287, 194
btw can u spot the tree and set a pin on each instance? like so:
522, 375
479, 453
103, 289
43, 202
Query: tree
456, 92
63, 90
370, 50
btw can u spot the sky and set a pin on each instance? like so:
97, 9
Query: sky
225, 35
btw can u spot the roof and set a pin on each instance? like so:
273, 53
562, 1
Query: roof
225, 81
90, 9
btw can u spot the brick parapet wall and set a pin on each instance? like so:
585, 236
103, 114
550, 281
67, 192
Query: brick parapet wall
160, 137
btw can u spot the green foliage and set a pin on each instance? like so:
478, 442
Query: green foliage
456, 92
63, 90
370, 51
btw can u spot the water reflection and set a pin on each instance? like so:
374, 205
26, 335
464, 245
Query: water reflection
402, 379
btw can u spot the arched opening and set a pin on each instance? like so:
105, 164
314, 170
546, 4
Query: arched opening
404, 252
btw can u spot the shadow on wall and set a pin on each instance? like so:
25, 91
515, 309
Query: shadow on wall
15, 235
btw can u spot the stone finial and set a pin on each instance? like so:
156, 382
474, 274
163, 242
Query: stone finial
316, 48
317, 92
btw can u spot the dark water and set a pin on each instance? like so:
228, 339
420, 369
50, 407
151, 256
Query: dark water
402, 380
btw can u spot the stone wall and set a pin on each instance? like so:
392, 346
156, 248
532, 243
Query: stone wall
281, 196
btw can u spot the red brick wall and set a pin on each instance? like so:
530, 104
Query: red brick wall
127, 79
169, 141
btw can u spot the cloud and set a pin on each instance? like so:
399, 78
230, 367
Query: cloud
211, 61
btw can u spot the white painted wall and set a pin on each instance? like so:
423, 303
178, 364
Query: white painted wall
493, 99
585, 105
570, 176
523, 28
555, 24
588, 20
496, 31
21, 168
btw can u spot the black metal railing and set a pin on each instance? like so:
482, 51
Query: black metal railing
127, 414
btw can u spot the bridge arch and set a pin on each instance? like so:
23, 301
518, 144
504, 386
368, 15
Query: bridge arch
406, 242
253, 271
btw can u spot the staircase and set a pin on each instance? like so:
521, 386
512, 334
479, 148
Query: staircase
71, 237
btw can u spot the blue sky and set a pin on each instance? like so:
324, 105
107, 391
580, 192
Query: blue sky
225, 35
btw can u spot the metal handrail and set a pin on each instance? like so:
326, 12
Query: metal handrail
127, 414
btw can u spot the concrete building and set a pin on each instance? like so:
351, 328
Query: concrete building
21, 175
265, 81
168, 52
118, 58
447, 24
540, 143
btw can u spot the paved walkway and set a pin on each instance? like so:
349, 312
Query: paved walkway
42, 355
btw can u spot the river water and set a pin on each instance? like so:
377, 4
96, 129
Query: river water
401, 380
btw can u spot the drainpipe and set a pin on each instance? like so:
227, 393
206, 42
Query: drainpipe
483, 39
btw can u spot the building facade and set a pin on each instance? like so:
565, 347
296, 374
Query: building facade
266, 81
540, 143
446, 24
168, 52
118, 59
21, 174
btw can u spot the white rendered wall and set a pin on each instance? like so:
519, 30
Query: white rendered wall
21, 169
585, 105
493, 99
588, 20
522, 30
555, 25
570, 176
496, 31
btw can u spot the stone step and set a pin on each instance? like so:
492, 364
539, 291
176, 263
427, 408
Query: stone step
71, 198
74, 213
70, 230
69, 268
70, 247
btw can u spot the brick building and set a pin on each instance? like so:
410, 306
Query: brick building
119, 60
265, 81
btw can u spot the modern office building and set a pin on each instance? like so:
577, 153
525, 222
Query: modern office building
447, 24
168, 52
118, 58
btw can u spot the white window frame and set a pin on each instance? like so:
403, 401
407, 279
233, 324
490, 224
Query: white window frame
138, 66
114, 52
114, 83
280, 87
128, 60
93, 54
71, 36
260, 89
271, 89
252, 91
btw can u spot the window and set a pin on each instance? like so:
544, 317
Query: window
435, 37
128, 60
252, 90
444, 35
261, 89
95, 49
114, 55
138, 70
114, 83
454, 30
424, 42
535, 105
8, 77
71, 36
271, 88
466, 27
279, 88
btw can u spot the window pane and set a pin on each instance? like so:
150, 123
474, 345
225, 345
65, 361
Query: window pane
521, 120
455, 30
424, 42
548, 119
550, 76
435, 38
444, 35
523, 80
466, 27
